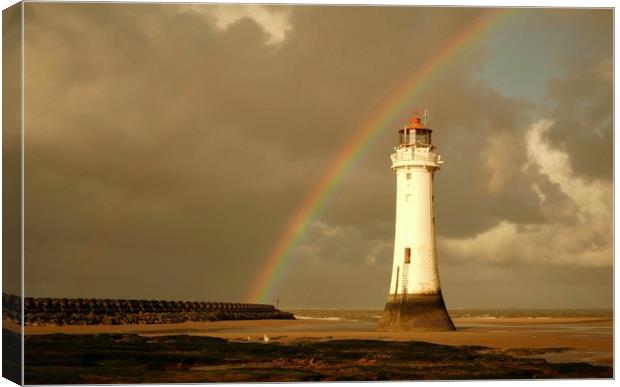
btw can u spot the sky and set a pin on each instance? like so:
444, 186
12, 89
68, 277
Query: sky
167, 147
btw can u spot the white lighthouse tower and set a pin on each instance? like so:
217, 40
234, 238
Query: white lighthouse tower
415, 301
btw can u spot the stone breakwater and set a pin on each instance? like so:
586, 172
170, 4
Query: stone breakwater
81, 311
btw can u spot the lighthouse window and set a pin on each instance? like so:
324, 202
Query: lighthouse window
404, 137
407, 254
409, 176
422, 137
408, 198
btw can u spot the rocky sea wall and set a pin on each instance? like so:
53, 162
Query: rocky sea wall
82, 311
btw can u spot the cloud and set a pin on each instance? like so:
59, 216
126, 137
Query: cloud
329, 243
378, 252
583, 241
583, 116
501, 160
177, 144
274, 21
11, 154
591, 195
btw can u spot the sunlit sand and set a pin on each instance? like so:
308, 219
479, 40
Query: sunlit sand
585, 339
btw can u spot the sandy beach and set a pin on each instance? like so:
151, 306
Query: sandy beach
317, 348
582, 339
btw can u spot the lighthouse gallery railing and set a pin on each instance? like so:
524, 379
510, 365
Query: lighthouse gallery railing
411, 156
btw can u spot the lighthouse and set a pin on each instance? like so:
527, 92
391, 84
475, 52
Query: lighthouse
415, 301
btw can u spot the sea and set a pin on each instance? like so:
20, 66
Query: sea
373, 315
367, 319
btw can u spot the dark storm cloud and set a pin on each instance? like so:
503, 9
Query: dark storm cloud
582, 100
165, 152
11, 155
584, 125
161, 147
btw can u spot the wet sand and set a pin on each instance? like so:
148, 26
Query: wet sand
577, 339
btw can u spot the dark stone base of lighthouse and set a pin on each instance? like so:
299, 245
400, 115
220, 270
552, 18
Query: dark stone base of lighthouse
415, 312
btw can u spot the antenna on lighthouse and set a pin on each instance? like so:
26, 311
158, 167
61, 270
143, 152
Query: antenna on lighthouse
427, 117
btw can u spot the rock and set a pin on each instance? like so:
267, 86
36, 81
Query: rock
72, 311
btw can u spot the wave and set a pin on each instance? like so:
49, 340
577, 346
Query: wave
318, 318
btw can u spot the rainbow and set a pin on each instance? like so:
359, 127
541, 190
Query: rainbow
400, 98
